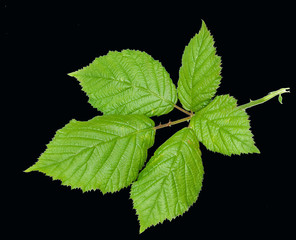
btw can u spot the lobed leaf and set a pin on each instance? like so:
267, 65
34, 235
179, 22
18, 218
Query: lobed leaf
199, 75
105, 153
223, 127
128, 82
170, 182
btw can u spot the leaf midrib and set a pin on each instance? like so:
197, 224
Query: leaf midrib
222, 128
164, 178
100, 143
129, 83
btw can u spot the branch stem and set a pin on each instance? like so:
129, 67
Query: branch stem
183, 110
172, 123
244, 106
265, 99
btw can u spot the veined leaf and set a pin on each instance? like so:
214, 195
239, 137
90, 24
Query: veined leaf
199, 75
223, 127
170, 182
128, 82
105, 153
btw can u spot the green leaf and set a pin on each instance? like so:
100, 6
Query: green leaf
280, 98
223, 127
128, 82
199, 75
171, 181
105, 153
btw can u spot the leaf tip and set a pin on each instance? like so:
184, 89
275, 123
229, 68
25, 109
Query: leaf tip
142, 229
203, 24
144, 225
256, 150
30, 169
27, 170
72, 74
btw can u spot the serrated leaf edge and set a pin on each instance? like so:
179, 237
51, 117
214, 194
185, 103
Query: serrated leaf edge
143, 228
35, 168
201, 31
254, 148
91, 101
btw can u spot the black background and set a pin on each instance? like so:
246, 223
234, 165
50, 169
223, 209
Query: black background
248, 195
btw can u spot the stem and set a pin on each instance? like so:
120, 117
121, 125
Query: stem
183, 110
265, 99
172, 123
244, 106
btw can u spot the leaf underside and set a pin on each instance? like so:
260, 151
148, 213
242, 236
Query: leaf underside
170, 182
128, 82
105, 153
224, 128
199, 75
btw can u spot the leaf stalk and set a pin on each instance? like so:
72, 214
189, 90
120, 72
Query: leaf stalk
170, 123
266, 98
183, 110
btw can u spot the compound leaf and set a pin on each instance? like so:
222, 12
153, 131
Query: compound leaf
128, 82
199, 75
105, 153
171, 181
223, 127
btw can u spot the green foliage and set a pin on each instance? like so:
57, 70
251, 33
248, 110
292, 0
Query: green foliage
171, 180
108, 152
103, 153
128, 82
224, 128
200, 71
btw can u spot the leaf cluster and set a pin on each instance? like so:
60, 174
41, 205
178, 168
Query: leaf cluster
109, 152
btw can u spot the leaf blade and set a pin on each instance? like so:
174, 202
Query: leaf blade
170, 182
103, 153
128, 82
199, 75
223, 127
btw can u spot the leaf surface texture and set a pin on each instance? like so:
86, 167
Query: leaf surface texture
105, 153
199, 75
223, 127
128, 82
170, 182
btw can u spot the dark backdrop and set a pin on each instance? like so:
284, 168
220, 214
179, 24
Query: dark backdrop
246, 195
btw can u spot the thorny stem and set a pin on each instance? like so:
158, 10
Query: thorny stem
183, 110
172, 123
244, 106
265, 99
